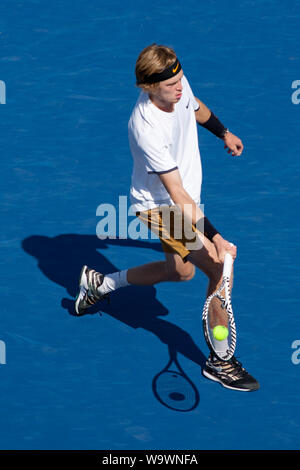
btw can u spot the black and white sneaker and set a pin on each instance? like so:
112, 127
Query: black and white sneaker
88, 295
231, 374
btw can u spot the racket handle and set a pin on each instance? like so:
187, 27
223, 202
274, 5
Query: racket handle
227, 268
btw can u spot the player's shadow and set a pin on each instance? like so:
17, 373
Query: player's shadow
61, 258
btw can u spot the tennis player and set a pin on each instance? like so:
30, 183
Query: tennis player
165, 193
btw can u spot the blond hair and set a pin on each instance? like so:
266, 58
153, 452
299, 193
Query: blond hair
153, 59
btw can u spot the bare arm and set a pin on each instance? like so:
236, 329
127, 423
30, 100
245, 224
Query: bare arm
173, 184
203, 113
231, 141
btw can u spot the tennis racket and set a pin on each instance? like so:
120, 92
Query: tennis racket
226, 305
173, 388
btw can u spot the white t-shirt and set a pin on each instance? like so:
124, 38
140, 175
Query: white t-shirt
161, 142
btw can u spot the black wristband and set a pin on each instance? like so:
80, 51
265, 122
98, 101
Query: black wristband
215, 126
209, 230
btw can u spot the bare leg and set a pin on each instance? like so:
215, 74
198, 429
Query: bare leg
172, 269
148, 274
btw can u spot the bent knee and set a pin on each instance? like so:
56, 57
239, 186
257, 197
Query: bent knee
183, 274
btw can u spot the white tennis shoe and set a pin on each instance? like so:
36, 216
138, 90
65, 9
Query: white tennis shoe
89, 282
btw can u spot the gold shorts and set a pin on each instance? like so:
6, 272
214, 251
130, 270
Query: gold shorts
176, 234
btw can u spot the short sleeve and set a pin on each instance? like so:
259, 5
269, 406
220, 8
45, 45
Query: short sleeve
190, 93
156, 154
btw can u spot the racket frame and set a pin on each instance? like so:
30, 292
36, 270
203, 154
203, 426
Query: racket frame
178, 372
227, 305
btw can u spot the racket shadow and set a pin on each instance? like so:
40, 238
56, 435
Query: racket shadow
60, 259
173, 388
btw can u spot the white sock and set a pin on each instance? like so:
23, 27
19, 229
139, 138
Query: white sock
113, 281
219, 346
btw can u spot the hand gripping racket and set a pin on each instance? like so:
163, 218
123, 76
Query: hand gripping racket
226, 305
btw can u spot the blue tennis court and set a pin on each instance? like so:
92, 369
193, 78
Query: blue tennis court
85, 382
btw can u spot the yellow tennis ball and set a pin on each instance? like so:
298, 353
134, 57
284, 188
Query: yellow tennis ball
220, 332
